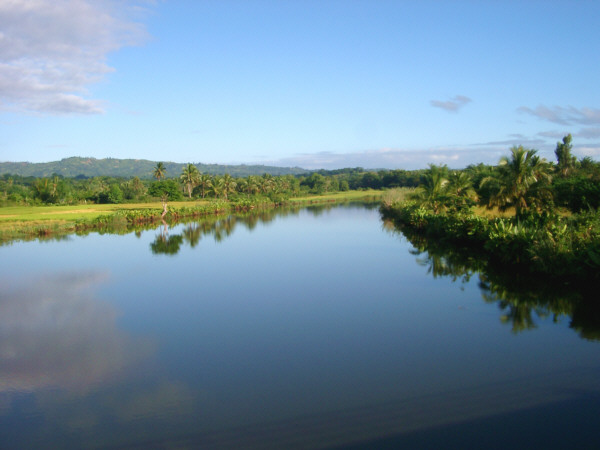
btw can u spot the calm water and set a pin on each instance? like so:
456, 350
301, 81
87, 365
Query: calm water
312, 329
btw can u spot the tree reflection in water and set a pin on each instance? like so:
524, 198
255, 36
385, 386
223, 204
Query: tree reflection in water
165, 244
221, 226
520, 296
192, 234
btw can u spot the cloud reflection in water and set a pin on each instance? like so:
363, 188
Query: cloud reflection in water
55, 334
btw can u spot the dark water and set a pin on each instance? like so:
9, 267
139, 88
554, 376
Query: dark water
307, 329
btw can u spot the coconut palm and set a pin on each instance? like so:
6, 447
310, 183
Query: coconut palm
204, 184
216, 186
134, 188
285, 183
242, 185
189, 177
54, 187
522, 180
159, 171
192, 234
432, 190
228, 184
248, 185
460, 189
40, 188
266, 183
253, 186
459, 184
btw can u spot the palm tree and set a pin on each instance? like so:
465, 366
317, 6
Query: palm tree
459, 184
253, 184
40, 188
189, 177
159, 171
432, 190
54, 187
460, 189
284, 183
266, 183
216, 186
228, 184
204, 183
522, 179
135, 187
587, 164
192, 234
242, 185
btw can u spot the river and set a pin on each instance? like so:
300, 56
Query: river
312, 328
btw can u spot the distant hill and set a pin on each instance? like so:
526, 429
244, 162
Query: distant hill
126, 168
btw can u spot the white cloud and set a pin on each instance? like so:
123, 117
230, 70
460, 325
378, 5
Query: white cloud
589, 133
51, 50
553, 134
592, 151
517, 140
56, 318
583, 133
445, 158
452, 105
455, 157
564, 115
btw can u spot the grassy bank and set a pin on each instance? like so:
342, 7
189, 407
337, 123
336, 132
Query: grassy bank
29, 222
548, 245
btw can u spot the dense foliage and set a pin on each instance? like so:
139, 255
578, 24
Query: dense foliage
194, 183
553, 226
77, 167
522, 298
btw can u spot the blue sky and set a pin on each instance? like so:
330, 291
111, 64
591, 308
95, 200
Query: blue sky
315, 84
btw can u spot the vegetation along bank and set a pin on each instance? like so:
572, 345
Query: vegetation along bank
525, 211
540, 217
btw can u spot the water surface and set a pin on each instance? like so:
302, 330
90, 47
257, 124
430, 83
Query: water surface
310, 329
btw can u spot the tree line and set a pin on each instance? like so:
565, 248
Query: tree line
521, 181
191, 183
551, 225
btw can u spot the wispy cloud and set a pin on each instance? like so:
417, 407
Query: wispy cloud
589, 133
395, 158
51, 50
515, 140
591, 150
583, 133
63, 322
457, 156
452, 105
564, 115
553, 134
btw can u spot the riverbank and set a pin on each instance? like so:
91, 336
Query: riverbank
545, 245
30, 222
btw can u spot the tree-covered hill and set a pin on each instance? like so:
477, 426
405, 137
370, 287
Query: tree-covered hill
126, 168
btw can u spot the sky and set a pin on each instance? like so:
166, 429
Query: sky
298, 83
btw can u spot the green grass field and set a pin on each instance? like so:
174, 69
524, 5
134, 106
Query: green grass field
338, 196
12, 214
18, 221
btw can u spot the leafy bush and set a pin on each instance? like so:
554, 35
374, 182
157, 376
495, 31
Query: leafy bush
538, 242
113, 195
169, 188
577, 193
